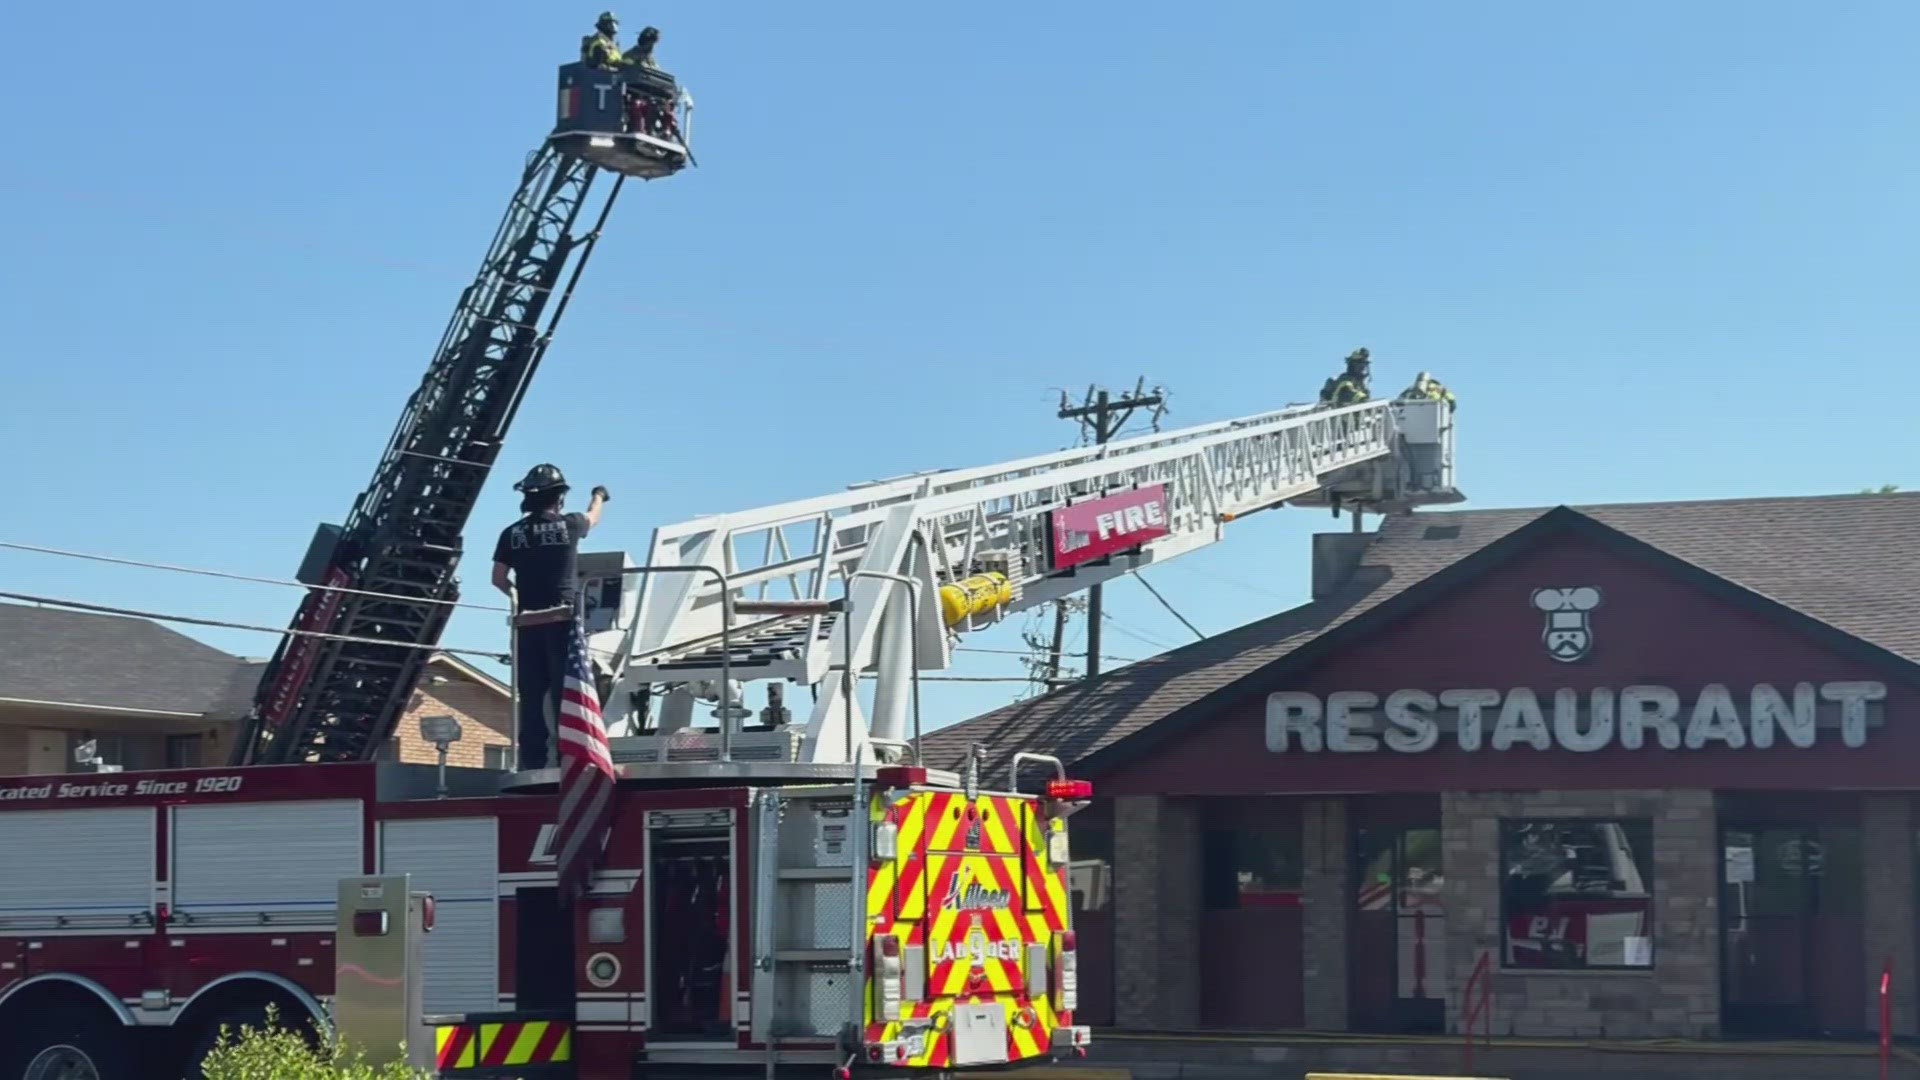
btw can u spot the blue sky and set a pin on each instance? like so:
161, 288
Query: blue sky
1660, 251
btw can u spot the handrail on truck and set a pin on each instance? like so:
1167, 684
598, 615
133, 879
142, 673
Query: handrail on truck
1013, 770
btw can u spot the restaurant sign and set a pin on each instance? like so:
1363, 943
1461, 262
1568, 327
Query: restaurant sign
1415, 721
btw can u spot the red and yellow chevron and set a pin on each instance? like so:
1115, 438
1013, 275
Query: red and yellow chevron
971, 884
489, 1045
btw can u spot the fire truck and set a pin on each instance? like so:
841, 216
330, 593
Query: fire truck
777, 892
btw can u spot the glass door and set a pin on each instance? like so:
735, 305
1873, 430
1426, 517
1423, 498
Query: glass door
1790, 939
1397, 961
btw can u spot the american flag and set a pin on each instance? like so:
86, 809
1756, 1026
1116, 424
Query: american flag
586, 772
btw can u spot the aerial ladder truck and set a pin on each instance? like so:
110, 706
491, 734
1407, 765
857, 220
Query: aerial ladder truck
384, 581
777, 892
774, 893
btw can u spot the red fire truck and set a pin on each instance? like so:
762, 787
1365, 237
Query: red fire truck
761, 922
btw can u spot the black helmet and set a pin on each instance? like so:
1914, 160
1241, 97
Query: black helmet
541, 478
608, 22
1358, 356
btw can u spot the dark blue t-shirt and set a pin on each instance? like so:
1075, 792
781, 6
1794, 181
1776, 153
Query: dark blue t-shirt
542, 549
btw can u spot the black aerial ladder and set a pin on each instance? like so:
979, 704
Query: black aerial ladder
383, 585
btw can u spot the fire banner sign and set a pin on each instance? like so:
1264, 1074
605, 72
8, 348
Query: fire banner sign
1092, 530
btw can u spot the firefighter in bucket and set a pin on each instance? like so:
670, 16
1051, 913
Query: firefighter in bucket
534, 564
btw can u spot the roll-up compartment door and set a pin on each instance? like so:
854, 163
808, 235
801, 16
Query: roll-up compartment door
237, 862
456, 860
84, 865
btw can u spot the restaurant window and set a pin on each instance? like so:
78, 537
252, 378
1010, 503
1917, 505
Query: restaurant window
1243, 867
1577, 893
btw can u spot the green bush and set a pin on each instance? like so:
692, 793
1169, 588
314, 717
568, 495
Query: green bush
271, 1052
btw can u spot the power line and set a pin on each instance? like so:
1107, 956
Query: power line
1169, 607
1029, 653
37, 549
104, 609
1137, 636
1238, 583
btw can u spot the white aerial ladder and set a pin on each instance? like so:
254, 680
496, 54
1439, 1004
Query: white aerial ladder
893, 571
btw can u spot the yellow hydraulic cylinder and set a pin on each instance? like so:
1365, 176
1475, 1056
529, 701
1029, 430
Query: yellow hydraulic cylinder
976, 595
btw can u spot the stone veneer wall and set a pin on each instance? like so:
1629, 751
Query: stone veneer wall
1679, 997
1324, 876
1156, 913
1886, 856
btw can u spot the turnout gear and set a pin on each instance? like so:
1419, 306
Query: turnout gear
602, 47
1427, 388
1345, 390
1351, 387
641, 55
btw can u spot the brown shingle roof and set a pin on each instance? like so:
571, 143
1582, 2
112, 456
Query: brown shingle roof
1849, 561
109, 662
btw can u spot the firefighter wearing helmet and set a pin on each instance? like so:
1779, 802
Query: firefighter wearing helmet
602, 47
534, 563
1350, 387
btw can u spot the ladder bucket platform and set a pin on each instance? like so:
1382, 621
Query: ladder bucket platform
643, 157
1413, 468
629, 120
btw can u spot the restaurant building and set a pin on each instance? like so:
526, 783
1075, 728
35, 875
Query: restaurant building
1651, 768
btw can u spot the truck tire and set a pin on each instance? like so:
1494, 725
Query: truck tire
53, 1047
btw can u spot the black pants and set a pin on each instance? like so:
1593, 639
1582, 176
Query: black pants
540, 670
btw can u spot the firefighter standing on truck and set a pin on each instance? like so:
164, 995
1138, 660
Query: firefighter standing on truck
536, 556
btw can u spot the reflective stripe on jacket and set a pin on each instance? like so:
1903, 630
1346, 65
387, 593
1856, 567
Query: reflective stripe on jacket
600, 50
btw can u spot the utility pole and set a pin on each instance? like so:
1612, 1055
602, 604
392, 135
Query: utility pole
1101, 417
1047, 661
1053, 654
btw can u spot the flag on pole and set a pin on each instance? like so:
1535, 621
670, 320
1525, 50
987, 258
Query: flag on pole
587, 780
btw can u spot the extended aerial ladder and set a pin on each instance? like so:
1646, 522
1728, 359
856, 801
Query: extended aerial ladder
888, 574
383, 583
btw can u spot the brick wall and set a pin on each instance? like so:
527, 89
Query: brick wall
1886, 856
482, 712
1679, 997
1324, 875
1156, 901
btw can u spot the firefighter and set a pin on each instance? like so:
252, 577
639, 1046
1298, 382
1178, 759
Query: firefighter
649, 111
641, 55
1427, 388
602, 47
536, 557
1350, 387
